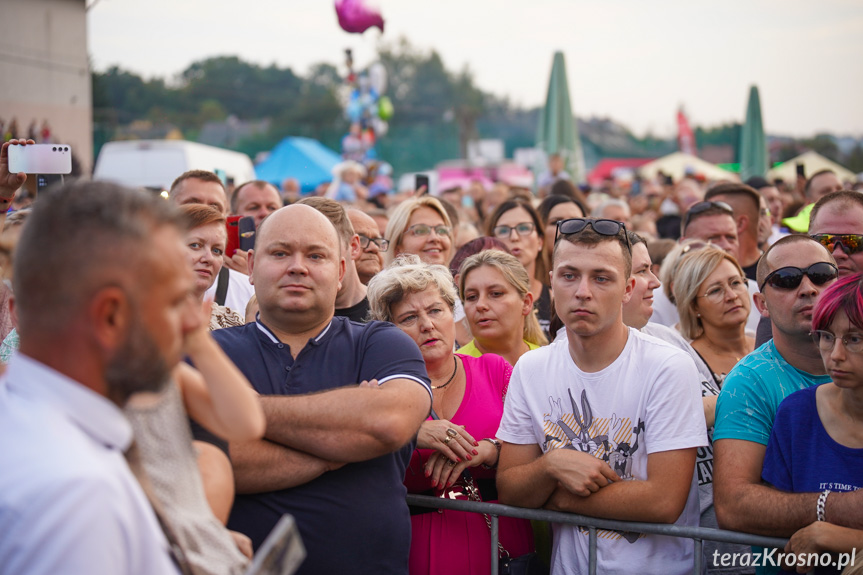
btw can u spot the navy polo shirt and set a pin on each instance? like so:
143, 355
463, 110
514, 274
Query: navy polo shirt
353, 519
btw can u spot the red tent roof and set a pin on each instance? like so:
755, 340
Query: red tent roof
607, 167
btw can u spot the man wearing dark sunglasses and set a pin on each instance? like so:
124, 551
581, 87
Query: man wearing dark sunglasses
791, 274
836, 222
603, 375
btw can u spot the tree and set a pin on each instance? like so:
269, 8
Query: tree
823, 144
854, 160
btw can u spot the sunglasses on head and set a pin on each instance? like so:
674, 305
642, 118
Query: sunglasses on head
601, 226
851, 243
701, 207
789, 277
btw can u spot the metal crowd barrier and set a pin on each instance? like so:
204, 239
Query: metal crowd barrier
495, 510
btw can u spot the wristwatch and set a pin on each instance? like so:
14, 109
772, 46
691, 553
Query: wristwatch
497, 444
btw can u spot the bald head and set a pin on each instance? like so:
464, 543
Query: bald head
294, 221
297, 269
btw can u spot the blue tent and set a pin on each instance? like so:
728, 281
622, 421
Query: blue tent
305, 159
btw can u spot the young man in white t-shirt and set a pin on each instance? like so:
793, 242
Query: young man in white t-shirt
608, 425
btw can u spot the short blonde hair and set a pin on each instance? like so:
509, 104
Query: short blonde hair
407, 275
515, 274
692, 270
400, 217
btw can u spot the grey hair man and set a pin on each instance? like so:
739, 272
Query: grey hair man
371, 241
86, 346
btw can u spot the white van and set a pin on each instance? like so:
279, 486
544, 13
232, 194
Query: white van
156, 163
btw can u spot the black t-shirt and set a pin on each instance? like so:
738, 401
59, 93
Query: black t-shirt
749, 271
357, 312
353, 519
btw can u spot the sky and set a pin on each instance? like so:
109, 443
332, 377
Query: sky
634, 61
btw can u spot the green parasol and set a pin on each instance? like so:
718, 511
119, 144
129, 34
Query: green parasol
557, 132
753, 146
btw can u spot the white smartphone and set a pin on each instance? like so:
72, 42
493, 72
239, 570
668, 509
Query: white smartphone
40, 159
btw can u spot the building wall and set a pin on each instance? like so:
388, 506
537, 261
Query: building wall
45, 71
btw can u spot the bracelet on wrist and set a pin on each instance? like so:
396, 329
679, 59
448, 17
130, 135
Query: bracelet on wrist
496, 444
820, 507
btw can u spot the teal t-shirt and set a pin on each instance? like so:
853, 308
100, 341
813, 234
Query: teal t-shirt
750, 396
752, 392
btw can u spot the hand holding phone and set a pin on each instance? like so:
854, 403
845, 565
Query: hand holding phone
241, 234
421, 184
11, 180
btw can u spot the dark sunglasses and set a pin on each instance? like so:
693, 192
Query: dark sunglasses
790, 277
851, 243
701, 207
601, 226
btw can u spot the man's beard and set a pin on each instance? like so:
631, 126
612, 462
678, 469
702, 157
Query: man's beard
137, 366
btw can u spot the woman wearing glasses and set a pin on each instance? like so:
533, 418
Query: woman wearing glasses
420, 226
517, 224
712, 298
467, 406
816, 445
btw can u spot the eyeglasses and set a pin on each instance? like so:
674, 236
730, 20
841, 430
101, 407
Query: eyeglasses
382, 244
789, 278
716, 293
601, 226
825, 341
425, 229
523, 229
851, 243
701, 207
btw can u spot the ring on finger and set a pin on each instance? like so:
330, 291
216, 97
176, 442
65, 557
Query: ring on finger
447, 439
452, 432
451, 463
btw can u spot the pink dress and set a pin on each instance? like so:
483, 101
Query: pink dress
457, 542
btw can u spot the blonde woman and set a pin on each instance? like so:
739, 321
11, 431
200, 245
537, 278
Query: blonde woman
420, 226
495, 289
712, 297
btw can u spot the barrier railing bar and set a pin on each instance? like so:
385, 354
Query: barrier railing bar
495, 534
698, 558
595, 522
591, 551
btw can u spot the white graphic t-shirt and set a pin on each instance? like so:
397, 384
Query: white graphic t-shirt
646, 401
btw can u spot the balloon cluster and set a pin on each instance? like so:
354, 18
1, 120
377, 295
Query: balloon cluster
367, 110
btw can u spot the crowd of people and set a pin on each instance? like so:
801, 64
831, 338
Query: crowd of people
667, 354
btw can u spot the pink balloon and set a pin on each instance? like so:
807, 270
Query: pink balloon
356, 17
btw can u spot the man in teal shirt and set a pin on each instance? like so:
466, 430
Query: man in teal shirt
791, 275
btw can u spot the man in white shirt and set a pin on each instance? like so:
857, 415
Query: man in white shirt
102, 295
607, 425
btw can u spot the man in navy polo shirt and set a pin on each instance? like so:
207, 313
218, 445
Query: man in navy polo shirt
335, 460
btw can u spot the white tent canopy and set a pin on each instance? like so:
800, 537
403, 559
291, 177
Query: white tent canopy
812, 162
678, 165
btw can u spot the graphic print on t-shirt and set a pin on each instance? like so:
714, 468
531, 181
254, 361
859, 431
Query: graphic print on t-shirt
612, 439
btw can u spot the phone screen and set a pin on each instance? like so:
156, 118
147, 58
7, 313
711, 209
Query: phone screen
420, 181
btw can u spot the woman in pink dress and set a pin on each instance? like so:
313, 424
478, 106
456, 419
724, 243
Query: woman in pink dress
468, 404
